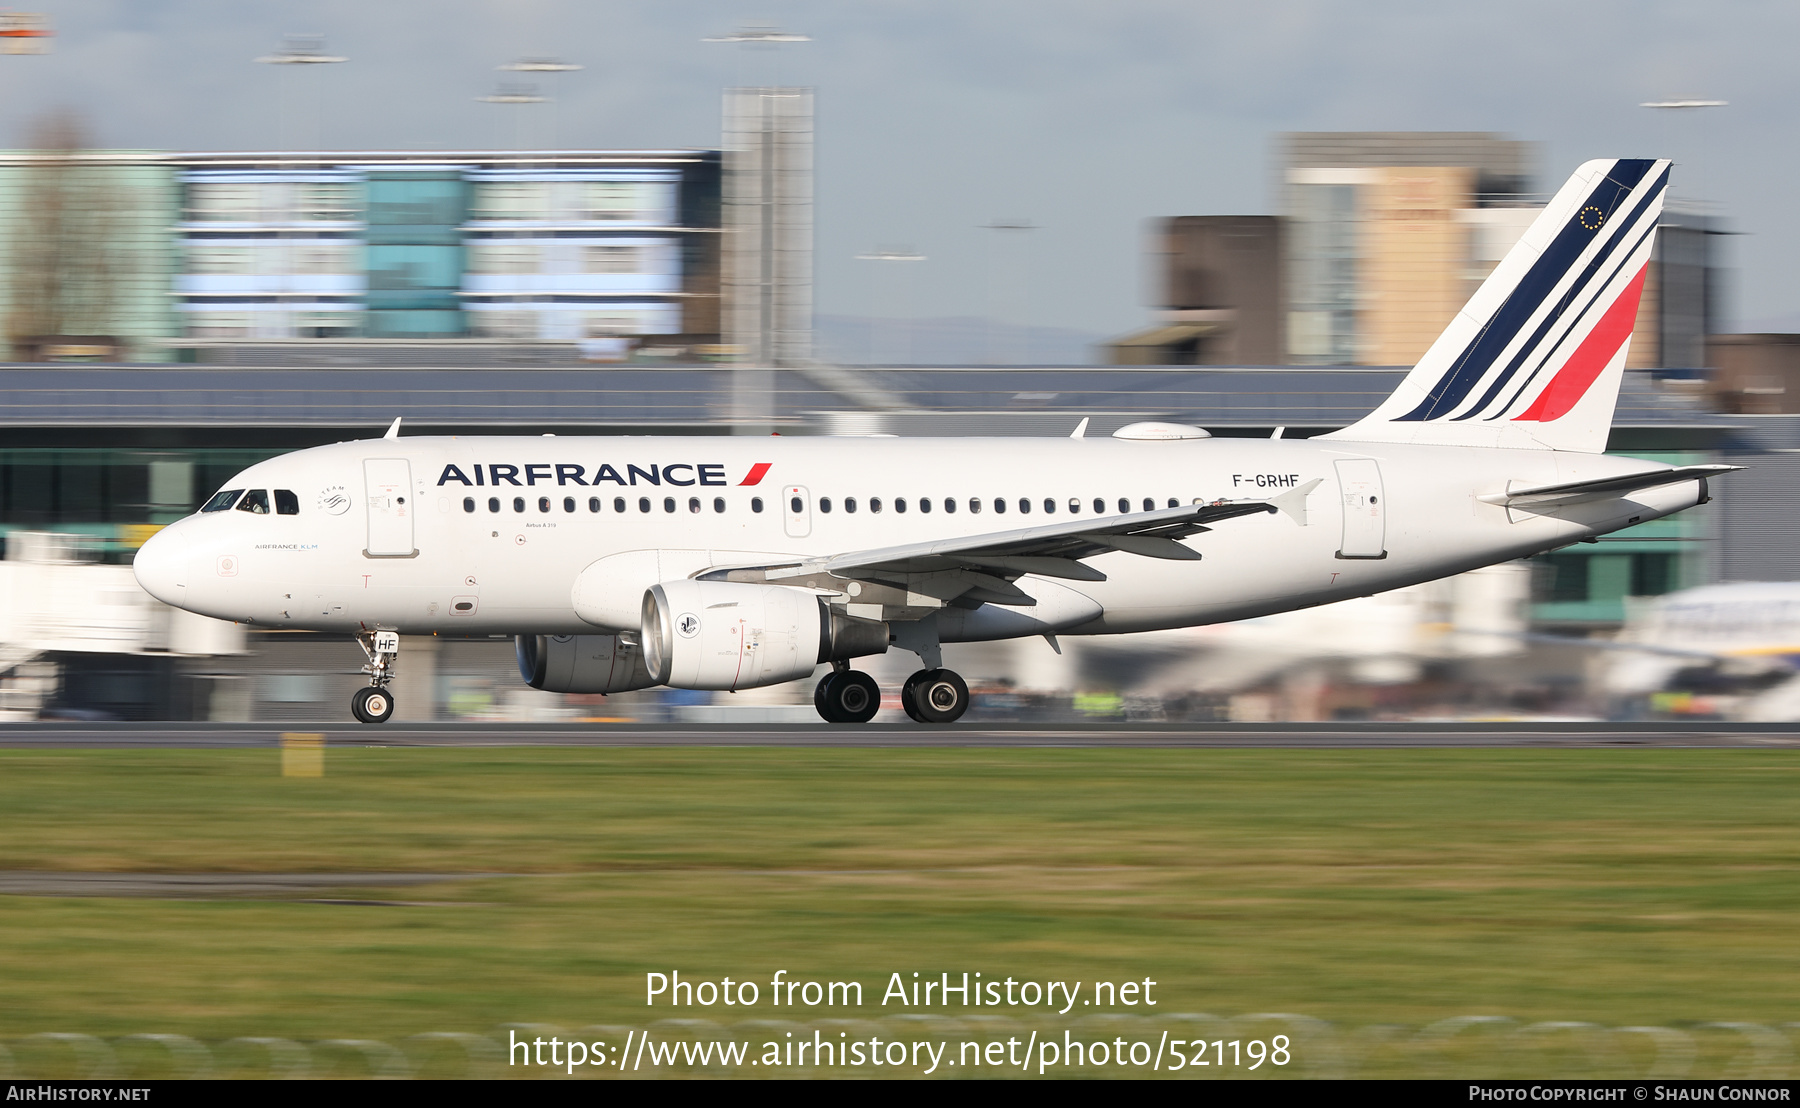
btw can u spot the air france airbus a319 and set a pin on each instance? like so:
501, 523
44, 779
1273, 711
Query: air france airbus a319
732, 563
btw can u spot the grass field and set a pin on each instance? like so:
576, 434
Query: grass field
1360, 887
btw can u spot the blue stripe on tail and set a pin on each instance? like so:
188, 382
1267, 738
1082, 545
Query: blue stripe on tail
1538, 283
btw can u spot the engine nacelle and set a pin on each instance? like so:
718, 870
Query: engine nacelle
733, 635
581, 663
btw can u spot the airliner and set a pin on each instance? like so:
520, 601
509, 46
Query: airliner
730, 563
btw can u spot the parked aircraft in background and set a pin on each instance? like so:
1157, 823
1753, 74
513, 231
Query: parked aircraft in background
733, 563
1730, 650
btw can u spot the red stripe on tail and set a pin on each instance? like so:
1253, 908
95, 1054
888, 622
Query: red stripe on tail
1570, 384
756, 474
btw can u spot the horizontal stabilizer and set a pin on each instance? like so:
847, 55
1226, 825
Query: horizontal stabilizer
1604, 488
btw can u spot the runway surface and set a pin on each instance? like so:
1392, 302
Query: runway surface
1147, 735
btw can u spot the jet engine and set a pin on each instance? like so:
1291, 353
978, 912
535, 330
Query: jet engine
582, 663
733, 635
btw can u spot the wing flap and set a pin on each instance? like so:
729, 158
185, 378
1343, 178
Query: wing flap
1065, 542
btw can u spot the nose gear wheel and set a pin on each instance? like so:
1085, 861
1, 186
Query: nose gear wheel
372, 705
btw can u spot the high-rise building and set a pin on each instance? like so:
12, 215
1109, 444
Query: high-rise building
1383, 237
1221, 295
1388, 234
768, 224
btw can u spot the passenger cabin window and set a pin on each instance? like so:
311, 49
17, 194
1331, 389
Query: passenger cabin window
824, 505
468, 503
925, 504
222, 500
999, 504
619, 504
975, 504
1049, 506
543, 503
493, 503
568, 503
718, 504
518, 503
643, 503
850, 504
693, 505
593, 503
1024, 506
874, 503
950, 504
756, 504
256, 502
286, 503
900, 504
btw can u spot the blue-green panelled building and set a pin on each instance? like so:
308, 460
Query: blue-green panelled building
207, 249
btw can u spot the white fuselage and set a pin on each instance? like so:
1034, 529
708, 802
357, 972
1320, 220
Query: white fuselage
382, 540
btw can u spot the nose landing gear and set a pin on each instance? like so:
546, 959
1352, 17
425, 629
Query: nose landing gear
375, 704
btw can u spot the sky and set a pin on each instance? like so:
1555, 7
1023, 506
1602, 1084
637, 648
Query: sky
935, 118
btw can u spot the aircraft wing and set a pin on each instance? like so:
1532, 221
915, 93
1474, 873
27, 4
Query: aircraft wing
1604, 488
982, 567
1054, 549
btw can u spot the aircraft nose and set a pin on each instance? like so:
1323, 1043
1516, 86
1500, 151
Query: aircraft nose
161, 566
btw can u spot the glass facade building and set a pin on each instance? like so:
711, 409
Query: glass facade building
555, 247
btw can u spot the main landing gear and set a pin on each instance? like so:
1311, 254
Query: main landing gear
847, 696
935, 696
375, 704
929, 696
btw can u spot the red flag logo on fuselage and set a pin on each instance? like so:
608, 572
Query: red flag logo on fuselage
756, 474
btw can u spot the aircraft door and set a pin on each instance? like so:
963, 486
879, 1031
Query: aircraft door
388, 489
1365, 509
796, 508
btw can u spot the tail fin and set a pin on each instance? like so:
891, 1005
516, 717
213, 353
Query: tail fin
1535, 358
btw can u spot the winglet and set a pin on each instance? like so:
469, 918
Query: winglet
393, 431
1080, 431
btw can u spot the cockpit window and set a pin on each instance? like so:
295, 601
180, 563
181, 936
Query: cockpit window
286, 503
222, 500
256, 502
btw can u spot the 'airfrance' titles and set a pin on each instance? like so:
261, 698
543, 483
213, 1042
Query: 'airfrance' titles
568, 473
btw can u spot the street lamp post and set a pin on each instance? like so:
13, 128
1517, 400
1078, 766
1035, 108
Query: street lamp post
301, 50
889, 254
543, 65
1672, 109
514, 93
1001, 228
752, 36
